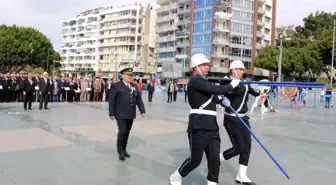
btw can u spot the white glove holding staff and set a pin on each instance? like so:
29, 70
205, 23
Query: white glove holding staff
225, 101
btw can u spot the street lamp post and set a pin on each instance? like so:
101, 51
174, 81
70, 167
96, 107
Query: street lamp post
332, 56
31, 53
280, 60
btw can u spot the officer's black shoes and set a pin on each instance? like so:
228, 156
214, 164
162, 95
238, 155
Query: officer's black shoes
245, 183
127, 154
121, 157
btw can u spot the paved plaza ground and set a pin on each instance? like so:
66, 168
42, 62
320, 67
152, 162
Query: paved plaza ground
75, 144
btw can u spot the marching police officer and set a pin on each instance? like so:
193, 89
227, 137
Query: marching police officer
123, 99
203, 131
239, 135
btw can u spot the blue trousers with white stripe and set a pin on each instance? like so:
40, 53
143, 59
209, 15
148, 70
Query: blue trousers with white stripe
201, 141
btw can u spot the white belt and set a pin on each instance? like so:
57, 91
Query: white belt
232, 114
201, 111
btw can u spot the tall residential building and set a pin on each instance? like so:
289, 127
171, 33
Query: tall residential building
166, 30
224, 30
125, 37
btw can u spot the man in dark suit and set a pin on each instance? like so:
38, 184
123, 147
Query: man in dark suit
150, 88
28, 91
123, 99
44, 87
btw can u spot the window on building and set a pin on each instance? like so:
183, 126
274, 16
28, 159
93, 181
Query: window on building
205, 50
200, 39
267, 31
235, 39
247, 65
268, 8
247, 41
235, 52
198, 15
242, 28
268, 20
246, 4
242, 16
247, 53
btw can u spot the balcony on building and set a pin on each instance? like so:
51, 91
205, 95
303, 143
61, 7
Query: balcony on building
222, 16
183, 11
166, 18
162, 60
261, 1
167, 28
261, 23
184, 1
221, 29
260, 34
182, 44
258, 45
166, 8
182, 22
219, 69
181, 34
166, 50
221, 42
220, 55
168, 38
181, 55
222, 4
261, 11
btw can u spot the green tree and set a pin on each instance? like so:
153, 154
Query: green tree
318, 29
20, 46
307, 50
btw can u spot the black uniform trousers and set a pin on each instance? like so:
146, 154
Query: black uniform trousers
124, 128
28, 99
44, 100
203, 141
150, 95
240, 138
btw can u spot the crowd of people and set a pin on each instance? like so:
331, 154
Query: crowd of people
59, 88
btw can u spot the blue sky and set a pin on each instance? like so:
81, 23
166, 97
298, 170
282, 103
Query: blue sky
46, 15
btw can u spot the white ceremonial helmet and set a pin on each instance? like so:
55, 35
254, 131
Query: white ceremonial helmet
237, 64
198, 59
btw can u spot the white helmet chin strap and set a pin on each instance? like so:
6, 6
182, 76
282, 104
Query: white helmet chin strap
198, 69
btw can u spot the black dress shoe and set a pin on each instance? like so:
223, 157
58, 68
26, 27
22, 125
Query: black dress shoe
245, 183
121, 157
127, 154
46, 108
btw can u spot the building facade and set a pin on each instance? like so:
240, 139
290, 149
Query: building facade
224, 30
123, 37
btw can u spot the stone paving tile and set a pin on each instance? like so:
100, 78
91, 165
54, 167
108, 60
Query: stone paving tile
18, 140
304, 146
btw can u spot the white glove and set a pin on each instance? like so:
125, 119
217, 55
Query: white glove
226, 102
24, 93
220, 97
235, 83
255, 87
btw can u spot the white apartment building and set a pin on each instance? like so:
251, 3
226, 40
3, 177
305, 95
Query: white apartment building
79, 45
166, 32
125, 37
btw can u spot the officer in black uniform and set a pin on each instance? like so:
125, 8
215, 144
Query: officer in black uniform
203, 131
239, 135
123, 99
